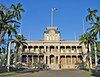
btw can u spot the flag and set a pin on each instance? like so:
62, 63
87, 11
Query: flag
53, 9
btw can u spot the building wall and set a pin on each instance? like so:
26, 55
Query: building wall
54, 52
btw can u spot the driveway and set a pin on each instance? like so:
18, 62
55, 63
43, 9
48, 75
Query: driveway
53, 73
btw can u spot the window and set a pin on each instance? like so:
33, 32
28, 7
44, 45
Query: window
47, 38
53, 38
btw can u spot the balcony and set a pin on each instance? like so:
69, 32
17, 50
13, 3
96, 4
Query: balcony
62, 51
69, 51
79, 51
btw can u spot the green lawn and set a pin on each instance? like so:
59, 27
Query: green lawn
93, 73
8, 73
96, 73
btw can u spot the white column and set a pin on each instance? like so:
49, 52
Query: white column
45, 49
70, 49
32, 60
48, 60
55, 49
38, 59
59, 64
38, 50
33, 49
65, 49
44, 59
49, 49
59, 49
71, 59
76, 49
27, 49
65, 59
76, 59
27, 59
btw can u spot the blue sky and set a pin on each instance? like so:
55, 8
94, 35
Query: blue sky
68, 18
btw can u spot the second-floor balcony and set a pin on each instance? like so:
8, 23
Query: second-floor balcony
70, 51
34, 51
52, 51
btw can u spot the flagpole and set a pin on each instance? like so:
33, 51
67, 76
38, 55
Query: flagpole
51, 16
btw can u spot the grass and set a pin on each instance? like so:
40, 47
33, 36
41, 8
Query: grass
8, 73
96, 73
13, 71
4, 69
92, 73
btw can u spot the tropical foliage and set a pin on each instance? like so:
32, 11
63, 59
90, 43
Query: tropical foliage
9, 25
90, 37
19, 42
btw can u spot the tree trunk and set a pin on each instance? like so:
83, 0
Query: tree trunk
90, 56
20, 54
8, 57
95, 54
15, 55
2, 33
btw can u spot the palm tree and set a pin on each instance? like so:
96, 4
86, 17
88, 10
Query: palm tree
19, 44
94, 20
8, 17
2, 24
6, 24
87, 40
92, 15
17, 9
8, 20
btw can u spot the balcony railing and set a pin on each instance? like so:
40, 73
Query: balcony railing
52, 51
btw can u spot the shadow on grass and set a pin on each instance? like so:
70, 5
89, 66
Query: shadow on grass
16, 71
95, 73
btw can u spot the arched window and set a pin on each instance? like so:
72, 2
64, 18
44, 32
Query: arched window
53, 38
47, 38
50, 38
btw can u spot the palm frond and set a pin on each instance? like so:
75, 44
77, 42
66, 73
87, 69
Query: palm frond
13, 21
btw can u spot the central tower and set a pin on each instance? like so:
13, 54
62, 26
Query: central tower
52, 34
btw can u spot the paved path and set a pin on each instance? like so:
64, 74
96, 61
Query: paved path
53, 73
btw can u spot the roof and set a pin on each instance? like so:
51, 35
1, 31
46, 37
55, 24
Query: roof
52, 28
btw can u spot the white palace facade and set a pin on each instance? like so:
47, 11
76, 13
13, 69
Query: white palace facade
54, 52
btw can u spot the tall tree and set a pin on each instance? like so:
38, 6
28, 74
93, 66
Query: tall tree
94, 20
17, 9
87, 40
9, 18
91, 15
19, 44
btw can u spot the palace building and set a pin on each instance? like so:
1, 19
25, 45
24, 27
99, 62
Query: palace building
54, 52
